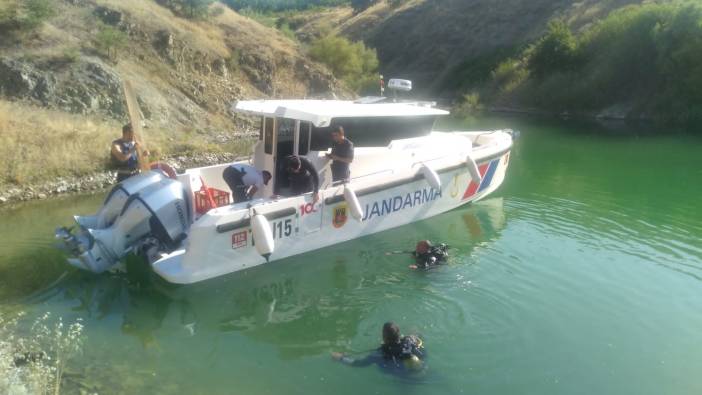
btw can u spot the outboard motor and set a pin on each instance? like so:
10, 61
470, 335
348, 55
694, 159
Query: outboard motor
160, 211
117, 198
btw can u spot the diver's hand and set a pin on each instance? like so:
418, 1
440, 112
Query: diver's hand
315, 197
413, 267
337, 356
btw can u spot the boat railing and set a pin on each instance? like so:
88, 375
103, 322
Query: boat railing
376, 173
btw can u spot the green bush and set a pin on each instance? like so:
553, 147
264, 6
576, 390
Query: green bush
24, 15
287, 31
469, 104
555, 51
262, 17
362, 5
110, 40
189, 8
349, 61
646, 59
509, 75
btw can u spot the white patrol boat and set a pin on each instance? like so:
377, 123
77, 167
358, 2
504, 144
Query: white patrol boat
402, 172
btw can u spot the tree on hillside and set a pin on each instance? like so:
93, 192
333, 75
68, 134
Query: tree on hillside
196, 8
109, 40
349, 61
554, 51
188, 8
361, 5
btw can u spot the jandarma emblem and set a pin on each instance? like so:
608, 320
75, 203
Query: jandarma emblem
340, 215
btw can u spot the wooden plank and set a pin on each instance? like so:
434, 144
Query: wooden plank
135, 120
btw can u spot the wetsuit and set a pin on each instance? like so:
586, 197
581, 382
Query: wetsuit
128, 168
305, 180
393, 356
435, 256
340, 170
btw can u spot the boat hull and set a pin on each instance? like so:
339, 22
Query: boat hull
222, 243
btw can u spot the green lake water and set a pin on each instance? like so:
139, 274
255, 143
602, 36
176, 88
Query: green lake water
582, 274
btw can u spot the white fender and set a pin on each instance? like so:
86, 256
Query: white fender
263, 235
432, 177
473, 170
354, 205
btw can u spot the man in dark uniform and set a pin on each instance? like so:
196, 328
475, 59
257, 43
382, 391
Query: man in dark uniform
341, 155
124, 154
303, 176
398, 353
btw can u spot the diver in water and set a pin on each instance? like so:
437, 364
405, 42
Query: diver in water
428, 255
399, 353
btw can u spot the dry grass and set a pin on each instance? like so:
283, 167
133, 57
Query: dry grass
38, 145
198, 34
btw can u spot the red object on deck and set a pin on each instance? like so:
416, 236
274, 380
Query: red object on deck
209, 198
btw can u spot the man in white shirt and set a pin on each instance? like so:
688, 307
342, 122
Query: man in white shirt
244, 180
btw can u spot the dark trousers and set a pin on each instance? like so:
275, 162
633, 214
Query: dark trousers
234, 179
340, 173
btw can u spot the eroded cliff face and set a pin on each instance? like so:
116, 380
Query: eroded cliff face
187, 73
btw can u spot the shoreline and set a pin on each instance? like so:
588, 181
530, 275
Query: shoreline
99, 180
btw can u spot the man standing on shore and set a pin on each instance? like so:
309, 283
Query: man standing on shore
124, 154
341, 155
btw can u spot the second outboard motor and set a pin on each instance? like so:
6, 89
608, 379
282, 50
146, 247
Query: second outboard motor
117, 198
159, 210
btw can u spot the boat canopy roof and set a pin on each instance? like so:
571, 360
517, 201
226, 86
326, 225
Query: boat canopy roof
321, 112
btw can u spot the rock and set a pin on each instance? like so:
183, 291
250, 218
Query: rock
108, 15
88, 86
42, 196
260, 70
3, 200
220, 68
17, 79
165, 43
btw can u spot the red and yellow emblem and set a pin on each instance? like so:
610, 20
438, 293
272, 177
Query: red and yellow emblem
340, 215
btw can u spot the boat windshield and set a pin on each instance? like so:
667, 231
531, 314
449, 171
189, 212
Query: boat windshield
372, 131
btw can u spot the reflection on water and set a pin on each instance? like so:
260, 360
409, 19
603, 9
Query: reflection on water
285, 303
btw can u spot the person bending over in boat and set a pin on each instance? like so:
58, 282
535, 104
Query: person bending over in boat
341, 155
397, 353
124, 154
245, 180
303, 176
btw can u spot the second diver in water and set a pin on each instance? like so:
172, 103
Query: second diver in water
427, 255
403, 353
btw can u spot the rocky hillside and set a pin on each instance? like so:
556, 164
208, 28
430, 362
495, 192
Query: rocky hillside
433, 42
186, 73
